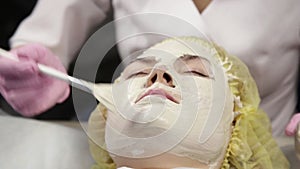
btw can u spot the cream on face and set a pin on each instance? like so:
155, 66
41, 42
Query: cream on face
185, 65
165, 102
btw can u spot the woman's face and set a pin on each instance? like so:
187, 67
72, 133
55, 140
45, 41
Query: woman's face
165, 103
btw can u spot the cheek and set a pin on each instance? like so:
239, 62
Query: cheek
196, 91
204, 89
135, 87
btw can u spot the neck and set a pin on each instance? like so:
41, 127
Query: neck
164, 161
201, 4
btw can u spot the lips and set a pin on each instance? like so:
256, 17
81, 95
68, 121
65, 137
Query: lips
158, 92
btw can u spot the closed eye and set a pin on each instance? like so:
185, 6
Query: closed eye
139, 67
193, 65
137, 74
193, 72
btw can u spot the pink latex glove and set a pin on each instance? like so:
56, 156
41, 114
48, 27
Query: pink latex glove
26, 89
291, 128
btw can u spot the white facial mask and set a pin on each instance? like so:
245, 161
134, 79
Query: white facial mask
194, 123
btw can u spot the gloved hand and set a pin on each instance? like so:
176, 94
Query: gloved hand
290, 129
26, 89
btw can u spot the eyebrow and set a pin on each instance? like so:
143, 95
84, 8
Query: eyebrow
144, 60
187, 57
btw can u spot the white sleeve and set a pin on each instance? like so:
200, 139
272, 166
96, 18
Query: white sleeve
61, 25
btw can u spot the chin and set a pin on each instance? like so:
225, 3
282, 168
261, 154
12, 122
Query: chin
162, 161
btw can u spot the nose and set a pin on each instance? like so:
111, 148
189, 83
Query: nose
161, 76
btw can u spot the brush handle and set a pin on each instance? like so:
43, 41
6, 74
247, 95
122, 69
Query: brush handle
75, 82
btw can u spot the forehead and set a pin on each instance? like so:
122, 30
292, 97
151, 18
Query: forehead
175, 53
169, 51
186, 58
145, 60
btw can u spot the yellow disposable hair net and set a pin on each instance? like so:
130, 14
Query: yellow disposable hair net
251, 145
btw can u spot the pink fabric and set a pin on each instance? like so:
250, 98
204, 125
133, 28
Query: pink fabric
26, 89
291, 128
